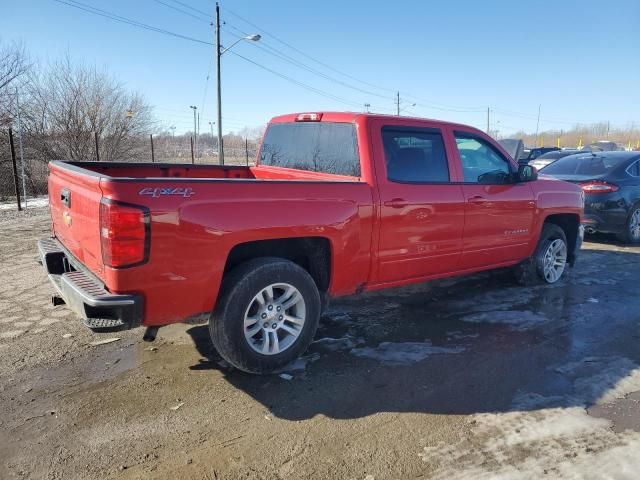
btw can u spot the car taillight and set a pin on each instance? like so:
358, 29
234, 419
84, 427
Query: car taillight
124, 233
309, 117
598, 187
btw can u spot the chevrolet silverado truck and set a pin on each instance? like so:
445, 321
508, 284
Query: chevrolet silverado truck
337, 204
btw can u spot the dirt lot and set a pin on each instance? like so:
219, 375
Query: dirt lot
473, 378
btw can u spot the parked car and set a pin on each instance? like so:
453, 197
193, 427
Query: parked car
550, 157
611, 183
529, 154
338, 203
605, 146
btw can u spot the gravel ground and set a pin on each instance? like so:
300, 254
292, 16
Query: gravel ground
468, 378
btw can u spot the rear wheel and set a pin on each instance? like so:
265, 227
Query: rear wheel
266, 316
549, 261
631, 234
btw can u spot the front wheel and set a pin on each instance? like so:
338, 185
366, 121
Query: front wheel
266, 316
549, 261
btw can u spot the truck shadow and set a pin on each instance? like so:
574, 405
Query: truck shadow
477, 344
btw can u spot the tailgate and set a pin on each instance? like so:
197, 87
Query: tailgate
74, 200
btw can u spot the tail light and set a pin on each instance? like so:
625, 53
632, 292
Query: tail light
124, 233
598, 187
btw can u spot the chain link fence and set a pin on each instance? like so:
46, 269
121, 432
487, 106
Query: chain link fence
32, 159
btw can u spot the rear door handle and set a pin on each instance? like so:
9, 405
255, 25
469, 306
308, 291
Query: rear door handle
477, 199
396, 203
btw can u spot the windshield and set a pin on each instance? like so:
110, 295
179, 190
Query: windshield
314, 146
581, 164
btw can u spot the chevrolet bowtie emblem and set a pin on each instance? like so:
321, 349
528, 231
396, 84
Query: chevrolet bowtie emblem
66, 217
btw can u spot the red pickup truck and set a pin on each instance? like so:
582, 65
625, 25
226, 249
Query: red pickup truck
338, 203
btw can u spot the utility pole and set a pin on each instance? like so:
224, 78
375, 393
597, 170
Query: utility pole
194, 140
153, 155
24, 183
608, 128
538, 124
398, 103
488, 121
15, 169
218, 53
367, 106
95, 134
197, 135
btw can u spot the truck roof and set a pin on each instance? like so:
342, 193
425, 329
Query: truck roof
349, 117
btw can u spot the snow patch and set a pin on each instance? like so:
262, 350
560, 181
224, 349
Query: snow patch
38, 202
405, 353
337, 344
561, 443
516, 320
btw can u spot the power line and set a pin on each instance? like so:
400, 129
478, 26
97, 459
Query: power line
304, 54
128, 21
426, 104
209, 16
301, 84
135, 23
182, 11
272, 51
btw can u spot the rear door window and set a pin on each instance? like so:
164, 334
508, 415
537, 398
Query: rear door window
415, 155
314, 146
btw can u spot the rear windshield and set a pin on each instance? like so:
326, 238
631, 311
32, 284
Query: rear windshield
582, 164
314, 146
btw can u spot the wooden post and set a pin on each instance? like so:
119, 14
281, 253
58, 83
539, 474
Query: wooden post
15, 169
95, 134
246, 149
153, 156
193, 160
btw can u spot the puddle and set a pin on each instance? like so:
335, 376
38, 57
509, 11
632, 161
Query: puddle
406, 353
516, 320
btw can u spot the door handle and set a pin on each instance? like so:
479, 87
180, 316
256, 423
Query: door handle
477, 199
396, 203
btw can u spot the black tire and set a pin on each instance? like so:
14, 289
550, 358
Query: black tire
627, 236
531, 271
238, 289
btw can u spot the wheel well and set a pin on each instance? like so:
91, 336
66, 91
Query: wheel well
570, 223
311, 253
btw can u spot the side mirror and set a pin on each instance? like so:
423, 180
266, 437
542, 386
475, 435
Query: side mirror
527, 173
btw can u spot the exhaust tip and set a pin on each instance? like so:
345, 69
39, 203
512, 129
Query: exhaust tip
57, 300
150, 334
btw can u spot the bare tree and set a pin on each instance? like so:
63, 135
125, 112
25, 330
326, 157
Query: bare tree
14, 69
71, 103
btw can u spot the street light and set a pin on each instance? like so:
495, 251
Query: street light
405, 108
253, 38
219, 51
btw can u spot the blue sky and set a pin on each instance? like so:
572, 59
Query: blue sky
579, 59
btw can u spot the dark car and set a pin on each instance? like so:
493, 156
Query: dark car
611, 183
550, 157
533, 153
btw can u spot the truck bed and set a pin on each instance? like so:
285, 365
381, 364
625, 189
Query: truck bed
196, 215
177, 171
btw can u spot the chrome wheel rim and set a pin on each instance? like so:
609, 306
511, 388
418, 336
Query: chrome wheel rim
555, 260
634, 225
274, 319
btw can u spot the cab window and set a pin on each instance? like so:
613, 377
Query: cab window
481, 162
415, 155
